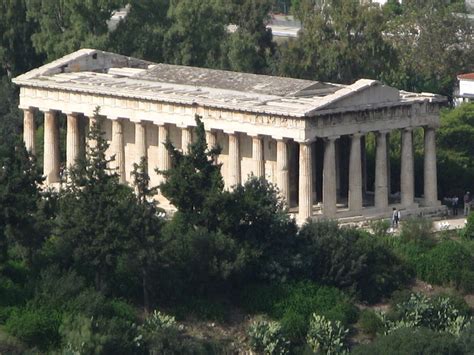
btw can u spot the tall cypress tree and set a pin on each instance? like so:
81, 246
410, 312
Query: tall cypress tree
194, 183
93, 220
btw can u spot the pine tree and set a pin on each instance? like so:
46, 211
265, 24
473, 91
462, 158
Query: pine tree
93, 220
146, 241
194, 183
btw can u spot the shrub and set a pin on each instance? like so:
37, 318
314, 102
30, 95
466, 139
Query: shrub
468, 231
80, 335
266, 337
419, 231
439, 314
35, 326
448, 263
293, 303
380, 227
371, 323
327, 337
159, 333
350, 259
420, 341
203, 308
466, 339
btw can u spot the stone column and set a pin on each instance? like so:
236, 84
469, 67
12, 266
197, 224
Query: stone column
140, 141
233, 172
164, 158
407, 176
305, 193
211, 139
92, 121
355, 174
51, 148
283, 175
257, 156
29, 130
186, 139
73, 139
430, 173
381, 180
118, 149
329, 178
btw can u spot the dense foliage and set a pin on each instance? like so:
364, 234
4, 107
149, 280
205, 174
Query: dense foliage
78, 265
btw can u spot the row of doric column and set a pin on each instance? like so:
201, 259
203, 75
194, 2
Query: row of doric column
75, 142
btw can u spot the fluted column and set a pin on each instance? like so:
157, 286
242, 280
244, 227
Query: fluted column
51, 148
29, 130
257, 156
430, 173
407, 177
381, 180
211, 139
140, 141
355, 174
305, 193
164, 158
72, 140
283, 175
329, 178
186, 139
118, 149
233, 172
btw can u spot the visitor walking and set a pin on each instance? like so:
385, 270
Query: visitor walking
395, 217
454, 204
467, 203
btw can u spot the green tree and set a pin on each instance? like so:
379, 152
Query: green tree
433, 45
196, 33
67, 25
141, 33
455, 151
341, 41
20, 197
250, 48
17, 54
93, 223
255, 216
194, 181
146, 241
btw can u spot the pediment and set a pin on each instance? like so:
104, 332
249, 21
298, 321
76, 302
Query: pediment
362, 93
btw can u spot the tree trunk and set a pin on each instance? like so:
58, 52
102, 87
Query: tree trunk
146, 296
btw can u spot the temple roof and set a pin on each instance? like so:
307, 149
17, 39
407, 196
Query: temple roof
104, 73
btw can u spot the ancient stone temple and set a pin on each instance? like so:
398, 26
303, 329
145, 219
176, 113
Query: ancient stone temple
307, 137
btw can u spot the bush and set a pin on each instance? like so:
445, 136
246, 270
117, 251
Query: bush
266, 337
380, 227
420, 341
350, 259
468, 231
326, 337
418, 231
371, 323
439, 314
466, 340
448, 263
202, 308
293, 304
35, 327
198, 262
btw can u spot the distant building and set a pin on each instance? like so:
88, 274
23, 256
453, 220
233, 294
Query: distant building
465, 91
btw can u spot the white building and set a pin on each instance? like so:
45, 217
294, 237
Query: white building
465, 92
307, 137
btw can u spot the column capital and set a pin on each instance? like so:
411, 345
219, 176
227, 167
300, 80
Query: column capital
331, 138
431, 126
383, 131
305, 141
357, 134
408, 129
71, 113
255, 135
281, 139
